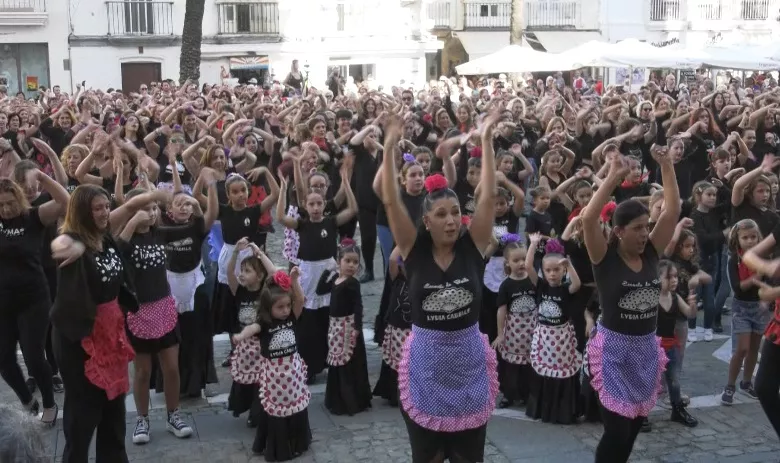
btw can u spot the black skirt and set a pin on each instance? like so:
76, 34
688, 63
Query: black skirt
386, 386
380, 323
488, 315
348, 391
466, 445
590, 407
245, 398
155, 346
282, 438
553, 400
514, 380
312, 336
224, 310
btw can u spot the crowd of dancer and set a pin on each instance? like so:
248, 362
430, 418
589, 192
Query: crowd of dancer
133, 228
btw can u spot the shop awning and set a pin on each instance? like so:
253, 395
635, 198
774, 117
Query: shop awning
559, 41
249, 62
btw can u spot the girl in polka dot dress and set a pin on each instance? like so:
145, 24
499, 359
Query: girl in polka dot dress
246, 286
283, 431
153, 330
348, 390
554, 388
516, 322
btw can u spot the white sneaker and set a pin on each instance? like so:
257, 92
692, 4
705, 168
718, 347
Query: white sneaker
141, 433
692, 336
699, 333
708, 334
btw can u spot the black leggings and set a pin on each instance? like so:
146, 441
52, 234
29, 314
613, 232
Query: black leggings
88, 409
367, 220
28, 328
768, 383
618, 438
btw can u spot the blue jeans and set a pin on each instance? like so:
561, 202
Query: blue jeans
385, 243
672, 374
713, 295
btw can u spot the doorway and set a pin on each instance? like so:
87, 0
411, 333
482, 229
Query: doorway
135, 74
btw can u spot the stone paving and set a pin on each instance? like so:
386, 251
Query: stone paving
739, 434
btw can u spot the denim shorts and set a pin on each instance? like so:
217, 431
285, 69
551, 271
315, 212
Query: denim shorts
748, 317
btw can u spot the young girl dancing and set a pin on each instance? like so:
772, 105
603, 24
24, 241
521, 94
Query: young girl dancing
399, 325
153, 329
347, 391
246, 288
318, 247
283, 431
749, 316
671, 306
554, 389
516, 322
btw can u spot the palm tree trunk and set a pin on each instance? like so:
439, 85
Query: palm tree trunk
516, 23
189, 61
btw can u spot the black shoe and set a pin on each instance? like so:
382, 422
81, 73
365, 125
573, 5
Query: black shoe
681, 415
53, 422
31, 385
717, 327
311, 380
226, 362
34, 407
393, 402
367, 276
57, 385
646, 426
505, 403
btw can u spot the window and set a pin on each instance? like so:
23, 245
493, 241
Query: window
139, 17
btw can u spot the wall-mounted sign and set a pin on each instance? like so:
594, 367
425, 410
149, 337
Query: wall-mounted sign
249, 62
32, 83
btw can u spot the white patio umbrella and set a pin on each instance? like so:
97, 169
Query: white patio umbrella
740, 57
512, 59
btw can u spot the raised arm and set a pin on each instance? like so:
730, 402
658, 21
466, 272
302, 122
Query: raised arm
482, 226
401, 224
667, 221
595, 241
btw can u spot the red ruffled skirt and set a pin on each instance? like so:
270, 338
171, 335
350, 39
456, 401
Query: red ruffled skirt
109, 351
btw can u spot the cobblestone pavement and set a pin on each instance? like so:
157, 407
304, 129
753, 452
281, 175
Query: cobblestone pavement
739, 434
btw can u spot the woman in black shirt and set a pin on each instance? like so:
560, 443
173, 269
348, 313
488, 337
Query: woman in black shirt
624, 354
24, 294
445, 419
88, 319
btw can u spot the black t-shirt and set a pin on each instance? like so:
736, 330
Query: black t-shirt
104, 272
685, 271
413, 206
345, 298
183, 244
554, 303
166, 172
631, 306
732, 267
238, 224
318, 239
623, 193
765, 219
668, 319
246, 304
279, 339
363, 175
48, 235
578, 254
399, 314
541, 223
519, 296
445, 300
21, 272
72, 184
145, 255
466, 199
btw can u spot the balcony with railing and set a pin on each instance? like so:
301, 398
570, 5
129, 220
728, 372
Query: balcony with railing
707, 12
255, 18
538, 14
140, 18
362, 18
23, 12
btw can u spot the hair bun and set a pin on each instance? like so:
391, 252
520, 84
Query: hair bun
347, 242
409, 157
554, 247
435, 182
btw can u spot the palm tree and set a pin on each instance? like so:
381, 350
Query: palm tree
189, 61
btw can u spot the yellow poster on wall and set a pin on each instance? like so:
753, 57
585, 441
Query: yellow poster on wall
32, 83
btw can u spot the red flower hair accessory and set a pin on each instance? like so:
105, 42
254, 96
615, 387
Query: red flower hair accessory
282, 280
347, 241
476, 152
607, 211
427, 118
435, 182
465, 220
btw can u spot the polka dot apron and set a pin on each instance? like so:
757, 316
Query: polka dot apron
554, 351
342, 337
247, 362
393, 345
283, 390
518, 332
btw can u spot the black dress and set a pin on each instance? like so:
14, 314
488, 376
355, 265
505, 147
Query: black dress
348, 390
514, 366
283, 432
244, 397
398, 323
